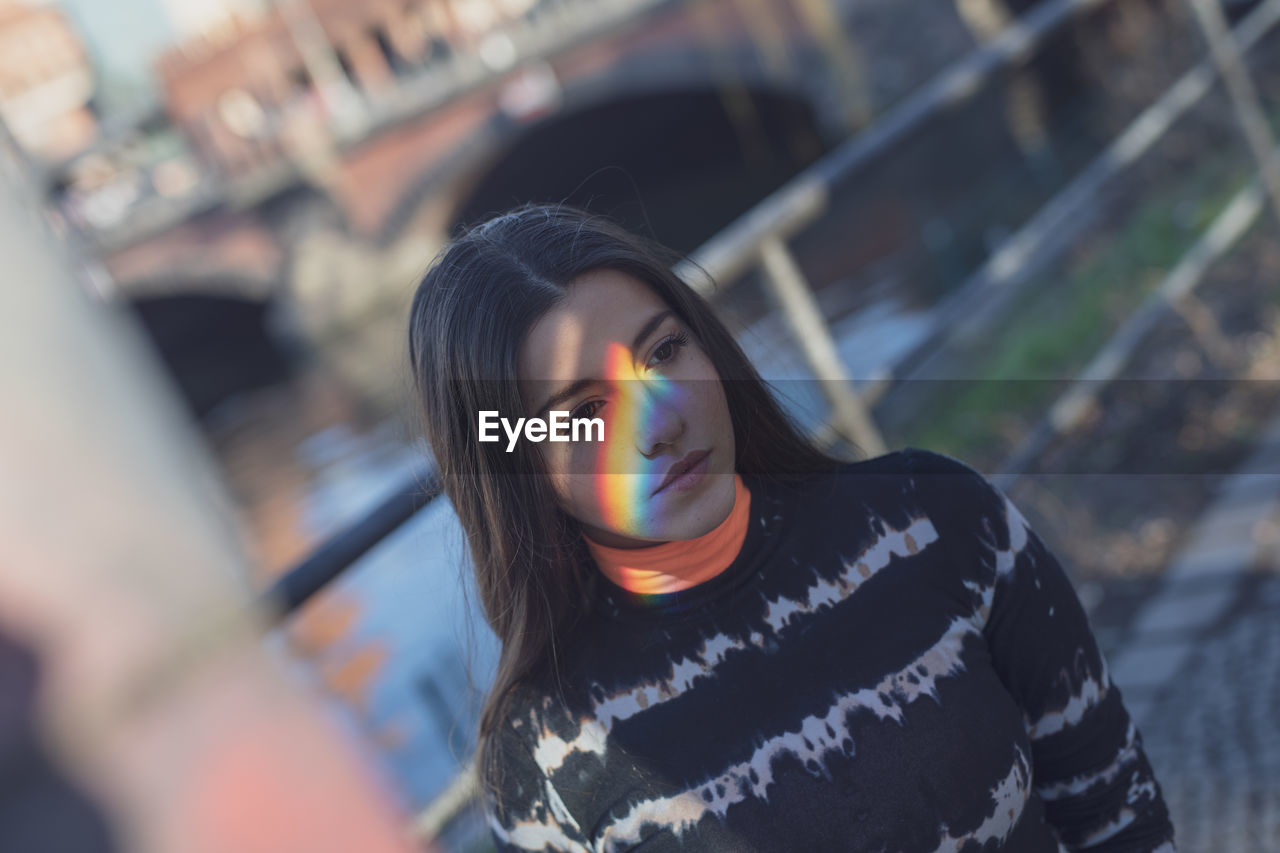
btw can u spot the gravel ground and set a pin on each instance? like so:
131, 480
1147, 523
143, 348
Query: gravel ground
1213, 738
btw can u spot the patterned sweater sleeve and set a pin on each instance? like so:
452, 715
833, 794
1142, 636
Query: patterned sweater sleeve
526, 812
1088, 764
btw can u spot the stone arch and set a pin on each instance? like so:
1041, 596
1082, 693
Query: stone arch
676, 164
214, 343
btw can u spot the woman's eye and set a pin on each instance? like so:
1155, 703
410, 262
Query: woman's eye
667, 350
586, 410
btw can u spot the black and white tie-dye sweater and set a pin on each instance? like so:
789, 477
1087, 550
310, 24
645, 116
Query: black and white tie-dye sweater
893, 662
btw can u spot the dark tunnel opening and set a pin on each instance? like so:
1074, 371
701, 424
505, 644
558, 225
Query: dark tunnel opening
214, 347
675, 166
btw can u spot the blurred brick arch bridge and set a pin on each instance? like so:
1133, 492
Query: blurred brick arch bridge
675, 110
675, 121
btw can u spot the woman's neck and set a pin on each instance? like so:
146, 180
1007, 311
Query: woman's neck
677, 565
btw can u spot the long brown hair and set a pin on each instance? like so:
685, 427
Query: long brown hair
471, 312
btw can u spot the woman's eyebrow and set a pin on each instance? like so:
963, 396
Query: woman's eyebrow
648, 328
564, 394
575, 387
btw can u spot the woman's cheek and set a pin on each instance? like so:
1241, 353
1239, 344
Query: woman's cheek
582, 458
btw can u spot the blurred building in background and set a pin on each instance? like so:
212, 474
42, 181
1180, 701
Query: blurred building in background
266, 84
209, 19
46, 81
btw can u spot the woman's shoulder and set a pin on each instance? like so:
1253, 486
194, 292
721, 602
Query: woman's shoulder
513, 742
893, 462
892, 468
535, 707
522, 806
944, 487
931, 471
908, 460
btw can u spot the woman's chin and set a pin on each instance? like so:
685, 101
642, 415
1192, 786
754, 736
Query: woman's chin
707, 512
674, 517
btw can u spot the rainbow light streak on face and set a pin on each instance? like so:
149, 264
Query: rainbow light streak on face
623, 480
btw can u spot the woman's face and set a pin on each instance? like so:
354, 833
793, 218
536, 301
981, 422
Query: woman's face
613, 350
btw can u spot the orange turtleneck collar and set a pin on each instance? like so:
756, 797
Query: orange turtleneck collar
680, 564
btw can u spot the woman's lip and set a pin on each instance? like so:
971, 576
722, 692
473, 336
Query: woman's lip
690, 461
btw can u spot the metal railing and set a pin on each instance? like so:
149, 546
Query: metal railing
758, 240
296, 586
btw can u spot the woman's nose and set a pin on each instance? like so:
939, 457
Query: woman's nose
661, 423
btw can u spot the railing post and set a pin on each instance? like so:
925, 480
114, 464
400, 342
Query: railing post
346, 107
810, 330
1244, 97
465, 788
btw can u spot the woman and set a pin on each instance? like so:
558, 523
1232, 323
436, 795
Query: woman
714, 636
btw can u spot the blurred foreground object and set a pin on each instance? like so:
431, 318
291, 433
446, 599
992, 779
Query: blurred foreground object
121, 570
46, 82
41, 810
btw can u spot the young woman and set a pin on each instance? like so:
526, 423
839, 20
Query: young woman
714, 636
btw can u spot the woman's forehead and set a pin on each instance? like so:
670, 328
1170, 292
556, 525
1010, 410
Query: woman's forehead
602, 310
